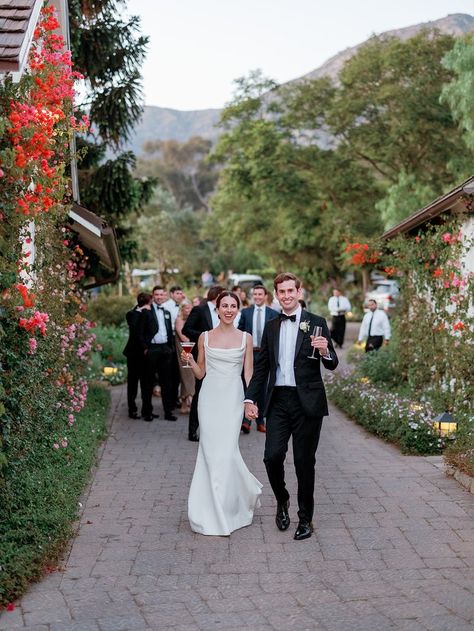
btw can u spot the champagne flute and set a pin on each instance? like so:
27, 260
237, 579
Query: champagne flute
187, 348
317, 332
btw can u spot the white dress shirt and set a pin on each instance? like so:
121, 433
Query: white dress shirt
161, 336
171, 306
285, 373
380, 325
338, 304
213, 311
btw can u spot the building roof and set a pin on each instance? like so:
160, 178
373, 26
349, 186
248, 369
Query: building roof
18, 20
97, 236
450, 202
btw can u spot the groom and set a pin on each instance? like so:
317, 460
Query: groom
295, 398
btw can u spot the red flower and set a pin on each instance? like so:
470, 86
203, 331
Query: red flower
10, 607
459, 326
438, 272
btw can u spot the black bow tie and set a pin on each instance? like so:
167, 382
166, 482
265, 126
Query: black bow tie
162, 308
284, 317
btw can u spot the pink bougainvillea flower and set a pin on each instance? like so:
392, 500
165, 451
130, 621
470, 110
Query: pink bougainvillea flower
32, 344
10, 607
56, 446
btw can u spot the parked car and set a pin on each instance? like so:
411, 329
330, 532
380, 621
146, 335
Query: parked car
385, 292
246, 281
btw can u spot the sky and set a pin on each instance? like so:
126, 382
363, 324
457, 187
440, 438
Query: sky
198, 48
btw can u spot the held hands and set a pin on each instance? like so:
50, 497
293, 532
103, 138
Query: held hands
320, 343
251, 411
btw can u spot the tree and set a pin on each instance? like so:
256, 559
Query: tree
181, 168
108, 51
459, 95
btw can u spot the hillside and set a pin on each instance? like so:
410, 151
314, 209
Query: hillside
165, 123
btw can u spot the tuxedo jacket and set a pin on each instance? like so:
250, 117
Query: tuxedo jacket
246, 318
198, 321
135, 346
150, 326
309, 384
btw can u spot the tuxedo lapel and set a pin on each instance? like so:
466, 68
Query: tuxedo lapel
276, 337
300, 336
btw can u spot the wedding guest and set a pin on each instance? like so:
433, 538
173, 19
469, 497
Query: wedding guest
158, 335
375, 328
197, 301
134, 351
177, 296
186, 375
202, 318
338, 306
289, 366
253, 320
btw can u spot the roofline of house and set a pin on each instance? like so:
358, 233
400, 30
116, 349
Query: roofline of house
440, 205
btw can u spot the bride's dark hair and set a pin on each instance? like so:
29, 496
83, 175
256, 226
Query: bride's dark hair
229, 294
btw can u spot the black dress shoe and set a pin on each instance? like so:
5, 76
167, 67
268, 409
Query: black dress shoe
155, 416
304, 530
282, 518
148, 419
193, 438
133, 415
170, 417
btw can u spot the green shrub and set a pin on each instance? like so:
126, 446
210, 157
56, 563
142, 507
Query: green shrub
112, 340
109, 310
381, 366
39, 495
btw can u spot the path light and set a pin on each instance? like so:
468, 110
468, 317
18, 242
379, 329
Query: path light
445, 424
109, 369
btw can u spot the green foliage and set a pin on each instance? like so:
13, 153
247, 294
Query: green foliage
40, 490
381, 367
459, 93
112, 340
109, 310
107, 49
403, 198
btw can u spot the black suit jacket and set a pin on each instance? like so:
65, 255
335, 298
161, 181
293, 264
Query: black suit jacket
309, 384
198, 321
246, 318
150, 326
135, 346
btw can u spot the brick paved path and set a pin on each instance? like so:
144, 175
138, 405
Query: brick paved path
393, 547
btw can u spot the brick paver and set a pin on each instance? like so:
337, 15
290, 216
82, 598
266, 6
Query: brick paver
393, 546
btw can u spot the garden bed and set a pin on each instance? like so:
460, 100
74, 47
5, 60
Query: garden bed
39, 497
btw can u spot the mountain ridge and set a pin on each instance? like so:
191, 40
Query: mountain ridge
167, 123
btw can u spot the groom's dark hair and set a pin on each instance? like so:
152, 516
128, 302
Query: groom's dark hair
286, 276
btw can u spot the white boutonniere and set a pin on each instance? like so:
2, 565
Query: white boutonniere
167, 315
304, 326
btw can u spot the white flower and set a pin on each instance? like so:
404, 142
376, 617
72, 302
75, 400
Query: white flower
304, 326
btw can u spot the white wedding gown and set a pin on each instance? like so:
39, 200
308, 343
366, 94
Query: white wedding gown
223, 493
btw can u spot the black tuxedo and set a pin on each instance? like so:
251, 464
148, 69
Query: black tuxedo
134, 351
198, 321
293, 411
246, 324
159, 361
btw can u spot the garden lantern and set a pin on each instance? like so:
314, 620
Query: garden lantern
445, 424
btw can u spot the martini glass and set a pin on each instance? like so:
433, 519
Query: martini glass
187, 348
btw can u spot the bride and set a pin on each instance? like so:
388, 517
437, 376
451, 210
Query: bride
223, 493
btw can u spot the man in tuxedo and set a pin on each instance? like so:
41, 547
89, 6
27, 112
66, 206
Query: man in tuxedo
172, 305
134, 351
295, 398
338, 306
253, 320
202, 318
158, 337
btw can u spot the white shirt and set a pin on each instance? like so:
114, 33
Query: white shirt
285, 373
173, 308
336, 307
213, 311
380, 325
254, 322
161, 337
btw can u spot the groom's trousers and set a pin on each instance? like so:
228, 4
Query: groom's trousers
286, 418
